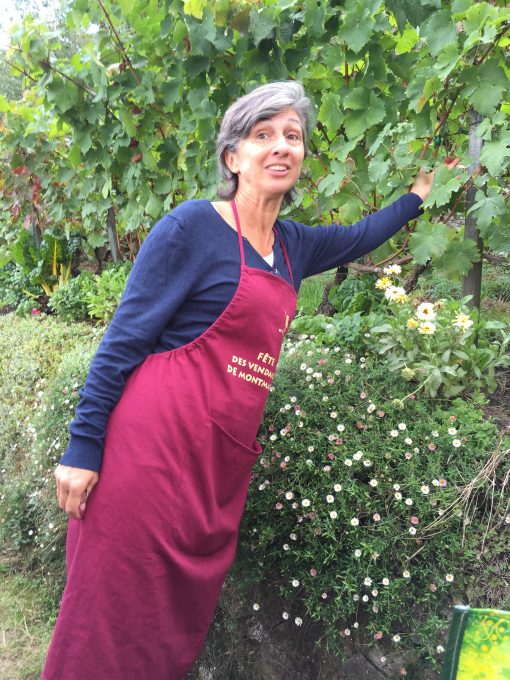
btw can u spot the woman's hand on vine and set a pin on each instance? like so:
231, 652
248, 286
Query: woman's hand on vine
423, 181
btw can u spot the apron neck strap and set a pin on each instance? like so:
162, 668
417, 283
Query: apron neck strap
238, 227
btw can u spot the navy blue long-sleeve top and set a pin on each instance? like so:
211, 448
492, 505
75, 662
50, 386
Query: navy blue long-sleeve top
184, 276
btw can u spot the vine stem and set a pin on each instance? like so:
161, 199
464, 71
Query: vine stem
120, 44
439, 126
492, 45
467, 184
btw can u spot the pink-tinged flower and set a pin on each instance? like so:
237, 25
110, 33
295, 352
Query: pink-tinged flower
381, 414
331, 456
378, 635
362, 395
408, 455
283, 465
313, 571
278, 506
34, 311
442, 482
376, 517
432, 587
414, 520
432, 446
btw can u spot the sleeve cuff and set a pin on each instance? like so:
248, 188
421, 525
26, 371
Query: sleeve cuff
83, 453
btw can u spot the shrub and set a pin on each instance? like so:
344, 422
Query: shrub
442, 345
42, 364
104, 298
363, 513
70, 301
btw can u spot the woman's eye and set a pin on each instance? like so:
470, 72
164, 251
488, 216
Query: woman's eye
261, 135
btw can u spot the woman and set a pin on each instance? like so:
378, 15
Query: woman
175, 396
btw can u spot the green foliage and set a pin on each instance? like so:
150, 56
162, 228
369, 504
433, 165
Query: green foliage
104, 297
355, 294
129, 121
360, 511
70, 301
441, 345
43, 362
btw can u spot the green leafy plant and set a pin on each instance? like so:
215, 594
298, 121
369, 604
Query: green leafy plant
70, 300
364, 510
104, 298
440, 344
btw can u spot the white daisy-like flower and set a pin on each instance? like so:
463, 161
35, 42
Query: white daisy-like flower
337, 487
256, 606
285, 615
333, 514
396, 638
408, 441
333, 414
395, 294
396, 487
298, 621
386, 581
367, 581
347, 632
358, 455
373, 482
295, 582
425, 489
456, 443
367, 463
394, 433
427, 328
408, 501
305, 502
393, 269
452, 430
375, 592
311, 449
412, 531
289, 495
462, 321
354, 521
357, 552
398, 496
330, 498
286, 546
402, 426
440, 649
371, 408
449, 578
425, 311
355, 624
365, 598
340, 427
348, 462
406, 574
293, 537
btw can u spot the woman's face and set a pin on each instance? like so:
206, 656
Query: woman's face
268, 161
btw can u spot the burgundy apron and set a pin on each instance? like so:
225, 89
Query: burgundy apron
147, 562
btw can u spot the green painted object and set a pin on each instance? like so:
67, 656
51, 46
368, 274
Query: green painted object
478, 645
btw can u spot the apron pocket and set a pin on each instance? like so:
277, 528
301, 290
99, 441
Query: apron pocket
212, 492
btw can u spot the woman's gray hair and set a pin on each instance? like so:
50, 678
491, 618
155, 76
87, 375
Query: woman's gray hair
260, 104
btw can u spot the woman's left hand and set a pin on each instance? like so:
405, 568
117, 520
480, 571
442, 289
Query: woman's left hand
423, 182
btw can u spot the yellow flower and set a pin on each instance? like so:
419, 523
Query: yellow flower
412, 323
427, 328
383, 283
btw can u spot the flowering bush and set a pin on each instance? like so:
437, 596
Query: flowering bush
358, 509
440, 344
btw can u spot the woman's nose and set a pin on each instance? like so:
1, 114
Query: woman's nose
281, 145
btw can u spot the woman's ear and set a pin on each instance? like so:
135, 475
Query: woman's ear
231, 161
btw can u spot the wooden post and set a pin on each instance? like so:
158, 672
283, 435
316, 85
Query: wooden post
472, 281
113, 239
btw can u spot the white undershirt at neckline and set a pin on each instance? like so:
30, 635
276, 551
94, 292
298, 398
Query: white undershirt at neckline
269, 258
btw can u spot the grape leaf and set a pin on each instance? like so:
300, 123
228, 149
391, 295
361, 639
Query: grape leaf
439, 30
429, 240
